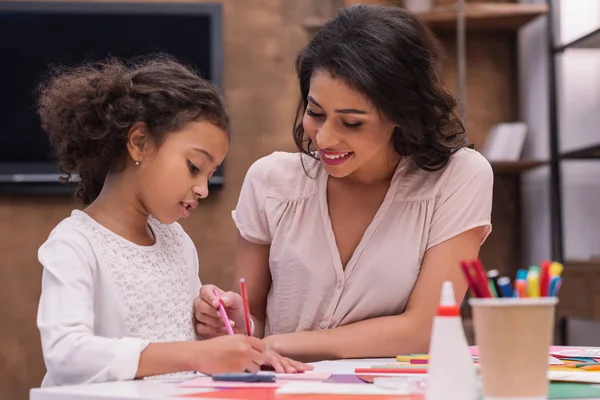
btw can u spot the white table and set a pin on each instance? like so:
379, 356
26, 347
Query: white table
167, 389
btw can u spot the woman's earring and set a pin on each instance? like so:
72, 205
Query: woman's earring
137, 163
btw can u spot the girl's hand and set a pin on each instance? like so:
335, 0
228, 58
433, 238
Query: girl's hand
283, 364
227, 354
280, 363
209, 323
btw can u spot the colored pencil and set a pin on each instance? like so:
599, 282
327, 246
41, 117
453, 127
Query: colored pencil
244, 294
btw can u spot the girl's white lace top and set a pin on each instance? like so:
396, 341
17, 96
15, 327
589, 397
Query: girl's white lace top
104, 298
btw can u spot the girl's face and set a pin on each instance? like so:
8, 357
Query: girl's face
348, 133
175, 176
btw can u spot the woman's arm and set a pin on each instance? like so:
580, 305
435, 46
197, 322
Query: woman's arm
384, 336
252, 264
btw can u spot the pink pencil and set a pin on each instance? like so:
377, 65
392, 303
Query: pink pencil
223, 313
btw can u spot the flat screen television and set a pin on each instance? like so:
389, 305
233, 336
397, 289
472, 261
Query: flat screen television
36, 35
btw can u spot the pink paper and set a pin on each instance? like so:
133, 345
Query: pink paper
305, 376
282, 379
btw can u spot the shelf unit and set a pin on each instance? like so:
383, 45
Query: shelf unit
557, 157
480, 16
466, 30
485, 16
516, 167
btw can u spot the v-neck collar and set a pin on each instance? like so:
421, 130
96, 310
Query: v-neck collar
366, 237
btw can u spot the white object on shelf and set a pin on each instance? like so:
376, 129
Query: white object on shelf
418, 6
505, 142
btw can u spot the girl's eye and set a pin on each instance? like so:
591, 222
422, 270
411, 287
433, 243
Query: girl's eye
312, 113
350, 125
193, 168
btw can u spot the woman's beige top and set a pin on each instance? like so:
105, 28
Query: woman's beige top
281, 206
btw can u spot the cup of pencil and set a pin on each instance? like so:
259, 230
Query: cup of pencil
514, 325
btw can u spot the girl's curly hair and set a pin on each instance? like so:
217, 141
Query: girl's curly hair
88, 111
390, 56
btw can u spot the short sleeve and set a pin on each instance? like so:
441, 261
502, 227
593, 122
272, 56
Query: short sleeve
73, 354
465, 199
250, 215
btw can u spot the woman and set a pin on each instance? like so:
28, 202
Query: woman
345, 246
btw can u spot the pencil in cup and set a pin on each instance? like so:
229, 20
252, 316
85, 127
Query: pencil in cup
531, 283
476, 278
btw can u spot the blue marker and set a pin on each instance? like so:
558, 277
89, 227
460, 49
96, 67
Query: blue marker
555, 283
505, 287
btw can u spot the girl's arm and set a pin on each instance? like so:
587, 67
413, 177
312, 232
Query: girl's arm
74, 354
377, 337
219, 355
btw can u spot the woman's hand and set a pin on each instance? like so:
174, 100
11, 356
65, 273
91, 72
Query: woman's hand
209, 323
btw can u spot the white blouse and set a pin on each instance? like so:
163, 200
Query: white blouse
283, 203
104, 298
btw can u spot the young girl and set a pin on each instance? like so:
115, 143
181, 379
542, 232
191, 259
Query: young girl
120, 277
345, 247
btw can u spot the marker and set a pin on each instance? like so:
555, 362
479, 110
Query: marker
579, 365
521, 284
544, 278
482, 279
223, 313
533, 282
493, 282
556, 269
247, 317
468, 273
557, 283
505, 289
591, 368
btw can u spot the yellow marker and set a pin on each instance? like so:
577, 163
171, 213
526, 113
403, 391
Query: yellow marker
533, 284
556, 269
408, 357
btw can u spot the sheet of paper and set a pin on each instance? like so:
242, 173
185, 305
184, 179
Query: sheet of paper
563, 390
584, 352
336, 388
207, 382
281, 379
574, 376
345, 367
306, 376
551, 360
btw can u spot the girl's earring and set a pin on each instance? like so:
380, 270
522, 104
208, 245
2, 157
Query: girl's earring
137, 163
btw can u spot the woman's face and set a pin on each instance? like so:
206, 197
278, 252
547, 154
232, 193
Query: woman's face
347, 131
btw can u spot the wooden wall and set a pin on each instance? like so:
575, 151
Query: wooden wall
261, 39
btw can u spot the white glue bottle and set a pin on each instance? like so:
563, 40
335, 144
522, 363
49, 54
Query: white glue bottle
451, 373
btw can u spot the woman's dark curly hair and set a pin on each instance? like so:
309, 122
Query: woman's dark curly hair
390, 56
88, 111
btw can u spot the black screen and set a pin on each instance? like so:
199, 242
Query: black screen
32, 42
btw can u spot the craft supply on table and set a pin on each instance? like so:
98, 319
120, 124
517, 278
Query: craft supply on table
451, 374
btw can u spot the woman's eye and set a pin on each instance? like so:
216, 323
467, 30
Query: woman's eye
351, 125
193, 168
312, 113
